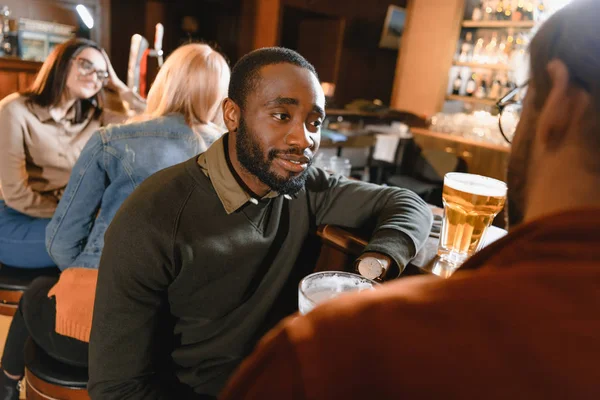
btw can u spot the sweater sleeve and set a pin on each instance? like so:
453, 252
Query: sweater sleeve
130, 342
16, 190
402, 219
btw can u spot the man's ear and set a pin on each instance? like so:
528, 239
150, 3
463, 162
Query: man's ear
561, 109
231, 115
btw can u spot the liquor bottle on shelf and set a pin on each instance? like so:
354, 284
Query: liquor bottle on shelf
491, 50
457, 83
495, 89
528, 11
471, 86
502, 54
488, 10
477, 12
481, 91
500, 11
508, 10
466, 49
518, 14
478, 51
540, 13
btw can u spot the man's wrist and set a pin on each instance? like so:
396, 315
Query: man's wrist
373, 265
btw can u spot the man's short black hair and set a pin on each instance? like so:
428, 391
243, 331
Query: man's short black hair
245, 74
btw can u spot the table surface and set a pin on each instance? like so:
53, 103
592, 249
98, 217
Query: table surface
428, 261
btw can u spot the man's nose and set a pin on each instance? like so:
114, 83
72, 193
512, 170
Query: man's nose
300, 137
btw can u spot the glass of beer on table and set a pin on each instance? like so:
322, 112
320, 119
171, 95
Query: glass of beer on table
470, 204
326, 285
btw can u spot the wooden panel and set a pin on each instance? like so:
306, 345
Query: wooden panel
25, 79
10, 296
325, 57
8, 309
155, 13
426, 51
38, 389
9, 300
15, 64
123, 26
9, 83
267, 32
103, 27
54, 11
16, 75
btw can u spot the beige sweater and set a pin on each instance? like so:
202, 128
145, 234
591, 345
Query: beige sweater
38, 153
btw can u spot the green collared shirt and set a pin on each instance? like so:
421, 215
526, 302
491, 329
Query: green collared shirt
215, 166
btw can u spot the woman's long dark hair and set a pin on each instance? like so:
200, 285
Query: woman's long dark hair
49, 84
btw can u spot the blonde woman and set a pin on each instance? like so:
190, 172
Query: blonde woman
183, 117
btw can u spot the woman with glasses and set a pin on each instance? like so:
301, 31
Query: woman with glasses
43, 131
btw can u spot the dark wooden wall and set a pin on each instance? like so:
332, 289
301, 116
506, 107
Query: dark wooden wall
366, 71
218, 24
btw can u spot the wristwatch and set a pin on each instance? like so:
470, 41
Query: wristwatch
371, 267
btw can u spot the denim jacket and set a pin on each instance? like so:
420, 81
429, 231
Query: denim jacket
112, 164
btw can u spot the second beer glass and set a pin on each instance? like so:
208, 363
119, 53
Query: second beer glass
470, 204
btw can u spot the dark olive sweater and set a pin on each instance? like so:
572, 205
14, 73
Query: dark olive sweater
184, 286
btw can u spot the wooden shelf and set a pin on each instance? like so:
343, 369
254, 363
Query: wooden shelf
459, 139
355, 113
499, 24
498, 67
474, 100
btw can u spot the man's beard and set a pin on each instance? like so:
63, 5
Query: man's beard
251, 156
518, 171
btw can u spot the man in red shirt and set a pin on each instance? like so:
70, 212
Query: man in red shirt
524, 324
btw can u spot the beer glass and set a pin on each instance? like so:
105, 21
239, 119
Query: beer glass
322, 286
470, 204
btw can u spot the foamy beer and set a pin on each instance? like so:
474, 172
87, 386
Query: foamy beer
470, 204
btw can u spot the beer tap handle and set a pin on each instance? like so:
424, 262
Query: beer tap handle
158, 42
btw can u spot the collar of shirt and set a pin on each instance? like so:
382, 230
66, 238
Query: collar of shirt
214, 164
44, 115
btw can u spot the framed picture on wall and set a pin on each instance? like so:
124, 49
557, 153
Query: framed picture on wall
393, 27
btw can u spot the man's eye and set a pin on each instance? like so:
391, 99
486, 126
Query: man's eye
281, 116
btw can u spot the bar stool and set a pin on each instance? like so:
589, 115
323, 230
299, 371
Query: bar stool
49, 379
14, 281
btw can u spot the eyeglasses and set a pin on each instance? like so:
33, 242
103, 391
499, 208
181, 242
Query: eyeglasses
510, 107
86, 68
